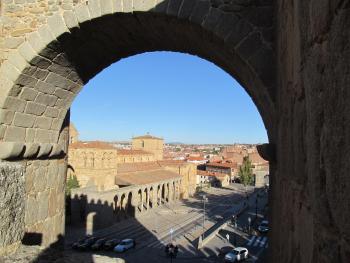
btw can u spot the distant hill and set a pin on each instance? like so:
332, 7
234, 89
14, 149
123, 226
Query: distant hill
175, 143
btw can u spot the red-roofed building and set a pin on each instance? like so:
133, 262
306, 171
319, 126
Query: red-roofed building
229, 168
196, 160
213, 178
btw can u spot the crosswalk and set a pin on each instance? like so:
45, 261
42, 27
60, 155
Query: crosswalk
257, 241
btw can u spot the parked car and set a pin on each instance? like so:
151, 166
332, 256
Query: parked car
110, 244
224, 250
124, 245
237, 254
80, 242
99, 244
264, 226
88, 243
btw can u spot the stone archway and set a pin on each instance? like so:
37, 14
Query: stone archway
41, 77
42, 71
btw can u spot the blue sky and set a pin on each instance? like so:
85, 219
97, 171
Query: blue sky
179, 97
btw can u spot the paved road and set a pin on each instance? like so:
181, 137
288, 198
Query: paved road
152, 230
239, 236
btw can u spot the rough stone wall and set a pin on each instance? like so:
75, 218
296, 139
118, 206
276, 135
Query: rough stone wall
45, 198
93, 166
18, 17
152, 145
188, 171
12, 199
310, 190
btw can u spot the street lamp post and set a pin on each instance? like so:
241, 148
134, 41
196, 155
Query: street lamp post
256, 207
205, 199
171, 235
249, 222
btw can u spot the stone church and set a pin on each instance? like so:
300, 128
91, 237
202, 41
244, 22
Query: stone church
96, 162
108, 174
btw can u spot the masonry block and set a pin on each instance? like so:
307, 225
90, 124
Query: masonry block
27, 51
70, 19
10, 150
57, 25
24, 120
31, 150
43, 136
15, 134
106, 7
95, 8
200, 11
6, 116
12, 209
117, 6
43, 122
35, 108
28, 94
82, 13
45, 148
46, 99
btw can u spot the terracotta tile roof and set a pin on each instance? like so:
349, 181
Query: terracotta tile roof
171, 162
147, 137
256, 158
222, 165
136, 167
132, 152
236, 157
145, 177
195, 158
92, 145
145, 166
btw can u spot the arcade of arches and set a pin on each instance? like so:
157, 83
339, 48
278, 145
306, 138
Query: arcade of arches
102, 209
292, 57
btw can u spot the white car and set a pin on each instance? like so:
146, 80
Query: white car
237, 254
124, 245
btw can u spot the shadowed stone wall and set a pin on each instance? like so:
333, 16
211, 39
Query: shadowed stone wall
45, 198
12, 199
310, 193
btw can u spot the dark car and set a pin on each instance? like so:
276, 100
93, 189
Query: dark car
110, 244
264, 227
99, 244
80, 242
224, 250
88, 243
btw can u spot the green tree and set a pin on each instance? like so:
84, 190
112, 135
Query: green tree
246, 172
72, 183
